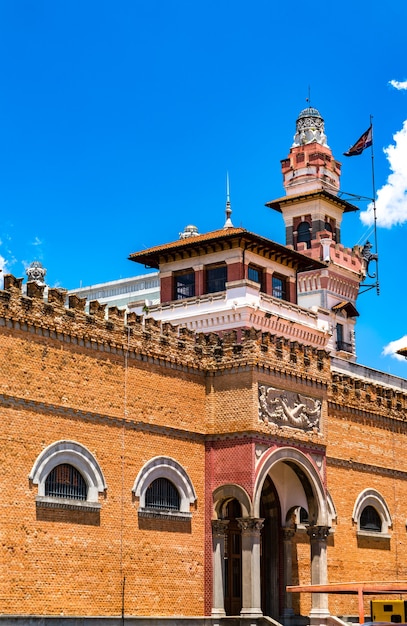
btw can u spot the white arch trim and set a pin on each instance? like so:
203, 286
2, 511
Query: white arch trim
371, 497
75, 454
165, 467
332, 514
228, 492
280, 455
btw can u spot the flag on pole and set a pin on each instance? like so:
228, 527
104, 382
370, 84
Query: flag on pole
365, 141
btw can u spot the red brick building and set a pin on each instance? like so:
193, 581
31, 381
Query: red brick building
191, 459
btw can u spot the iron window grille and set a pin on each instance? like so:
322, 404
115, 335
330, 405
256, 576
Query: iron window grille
216, 278
162, 495
64, 481
279, 287
184, 285
370, 520
255, 274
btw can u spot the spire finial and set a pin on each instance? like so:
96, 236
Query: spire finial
228, 223
309, 96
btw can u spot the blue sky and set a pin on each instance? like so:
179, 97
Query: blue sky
119, 121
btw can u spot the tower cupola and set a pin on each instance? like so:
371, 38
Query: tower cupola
310, 128
311, 179
310, 166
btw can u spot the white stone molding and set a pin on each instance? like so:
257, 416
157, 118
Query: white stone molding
165, 467
223, 494
280, 462
74, 454
332, 514
371, 497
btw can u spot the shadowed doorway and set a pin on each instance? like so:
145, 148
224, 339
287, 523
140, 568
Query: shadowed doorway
233, 560
271, 552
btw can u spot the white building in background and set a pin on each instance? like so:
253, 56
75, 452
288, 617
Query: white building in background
143, 289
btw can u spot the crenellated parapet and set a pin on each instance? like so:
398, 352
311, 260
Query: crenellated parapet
324, 248
367, 398
113, 331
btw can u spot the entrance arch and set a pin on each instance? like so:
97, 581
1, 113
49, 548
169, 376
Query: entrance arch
231, 505
298, 483
288, 482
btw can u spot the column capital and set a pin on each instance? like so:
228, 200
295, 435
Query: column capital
288, 533
249, 525
219, 527
318, 533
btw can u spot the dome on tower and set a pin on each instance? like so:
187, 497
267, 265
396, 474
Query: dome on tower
310, 128
310, 112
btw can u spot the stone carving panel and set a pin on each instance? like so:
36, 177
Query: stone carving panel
287, 408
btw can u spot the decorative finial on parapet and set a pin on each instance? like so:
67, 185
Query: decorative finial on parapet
36, 273
228, 223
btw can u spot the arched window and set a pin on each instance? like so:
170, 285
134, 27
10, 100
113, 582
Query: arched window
370, 520
304, 233
64, 481
162, 494
64, 471
164, 489
371, 514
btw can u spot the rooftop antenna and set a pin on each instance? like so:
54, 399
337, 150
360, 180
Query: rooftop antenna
228, 223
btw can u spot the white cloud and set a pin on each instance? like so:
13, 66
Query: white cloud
37, 242
393, 346
398, 85
391, 202
3, 264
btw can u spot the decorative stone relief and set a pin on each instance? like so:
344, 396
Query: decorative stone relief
287, 408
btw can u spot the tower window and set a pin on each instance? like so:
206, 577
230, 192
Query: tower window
162, 494
64, 481
304, 233
279, 287
216, 277
184, 285
255, 274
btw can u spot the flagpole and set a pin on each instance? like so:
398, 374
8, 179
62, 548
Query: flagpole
374, 210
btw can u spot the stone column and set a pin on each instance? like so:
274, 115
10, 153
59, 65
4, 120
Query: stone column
199, 280
319, 573
218, 563
251, 587
288, 534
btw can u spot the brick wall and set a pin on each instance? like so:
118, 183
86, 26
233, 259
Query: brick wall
130, 390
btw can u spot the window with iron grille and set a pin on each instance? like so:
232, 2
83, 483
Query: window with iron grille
216, 278
279, 287
163, 495
64, 481
184, 285
255, 274
370, 520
